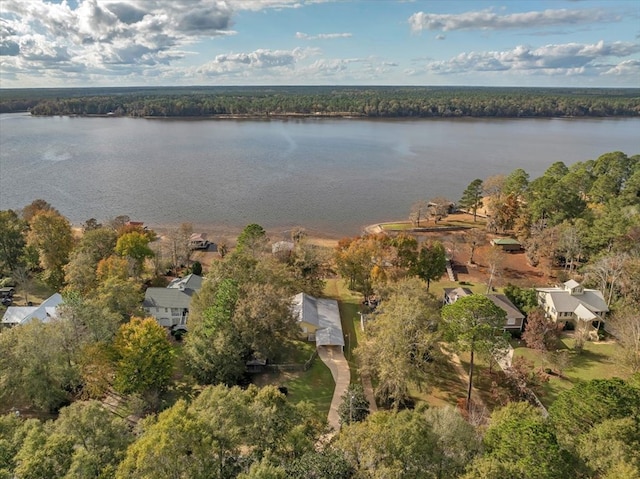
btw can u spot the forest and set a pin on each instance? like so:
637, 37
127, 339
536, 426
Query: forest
101, 390
320, 101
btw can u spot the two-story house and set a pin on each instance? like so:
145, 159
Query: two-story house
572, 303
170, 305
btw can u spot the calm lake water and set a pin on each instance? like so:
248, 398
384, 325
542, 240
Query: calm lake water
328, 175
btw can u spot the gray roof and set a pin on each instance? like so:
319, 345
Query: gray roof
192, 282
324, 314
454, 293
25, 314
177, 295
501, 301
562, 300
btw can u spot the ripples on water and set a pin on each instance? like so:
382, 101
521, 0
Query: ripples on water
329, 175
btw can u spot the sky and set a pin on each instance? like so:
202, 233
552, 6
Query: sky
84, 43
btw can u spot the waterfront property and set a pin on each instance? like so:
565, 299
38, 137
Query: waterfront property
319, 320
572, 303
515, 318
170, 305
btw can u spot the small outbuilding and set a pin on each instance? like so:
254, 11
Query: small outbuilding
507, 244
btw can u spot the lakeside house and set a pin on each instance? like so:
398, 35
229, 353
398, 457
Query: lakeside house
319, 320
45, 312
514, 322
572, 303
170, 305
515, 318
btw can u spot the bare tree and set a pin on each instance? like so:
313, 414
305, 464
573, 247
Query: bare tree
607, 271
496, 259
180, 251
418, 212
439, 208
474, 238
624, 324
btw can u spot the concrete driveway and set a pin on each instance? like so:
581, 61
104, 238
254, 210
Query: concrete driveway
334, 358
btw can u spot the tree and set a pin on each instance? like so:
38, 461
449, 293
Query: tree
90, 225
472, 197
36, 207
474, 323
86, 441
578, 410
541, 333
525, 299
475, 238
399, 344
438, 208
495, 258
50, 234
431, 262
179, 245
607, 271
356, 259
521, 426
262, 317
354, 406
611, 449
222, 431
624, 324
35, 367
12, 241
516, 183
144, 357
213, 349
135, 246
253, 239
391, 444
418, 212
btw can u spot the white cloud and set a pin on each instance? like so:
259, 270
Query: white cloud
322, 36
490, 20
105, 35
257, 60
563, 59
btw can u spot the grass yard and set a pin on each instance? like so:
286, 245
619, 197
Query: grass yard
445, 387
315, 385
349, 304
598, 360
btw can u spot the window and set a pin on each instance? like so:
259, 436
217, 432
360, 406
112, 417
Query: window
511, 321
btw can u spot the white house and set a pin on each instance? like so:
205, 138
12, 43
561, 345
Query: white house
45, 312
170, 305
319, 320
571, 302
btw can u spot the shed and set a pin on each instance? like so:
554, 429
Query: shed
507, 244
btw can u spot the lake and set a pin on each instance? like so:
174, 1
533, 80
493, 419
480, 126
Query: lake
330, 175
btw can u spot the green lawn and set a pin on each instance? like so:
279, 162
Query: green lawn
596, 361
349, 304
315, 385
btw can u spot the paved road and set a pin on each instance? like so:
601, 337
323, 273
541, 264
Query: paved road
334, 358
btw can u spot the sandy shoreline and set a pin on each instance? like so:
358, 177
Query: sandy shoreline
220, 233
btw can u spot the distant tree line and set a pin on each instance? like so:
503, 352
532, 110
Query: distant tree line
366, 102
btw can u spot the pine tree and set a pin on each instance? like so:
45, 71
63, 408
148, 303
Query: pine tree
472, 197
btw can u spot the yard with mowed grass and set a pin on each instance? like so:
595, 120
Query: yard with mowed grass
315, 385
349, 303
597, 360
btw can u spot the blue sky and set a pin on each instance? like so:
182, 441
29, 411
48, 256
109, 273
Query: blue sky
46, 43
